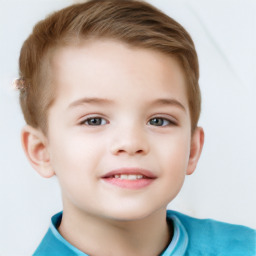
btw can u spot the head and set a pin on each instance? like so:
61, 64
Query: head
135, 23
110, 94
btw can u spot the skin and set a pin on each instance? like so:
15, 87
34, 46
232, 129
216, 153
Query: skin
137, 98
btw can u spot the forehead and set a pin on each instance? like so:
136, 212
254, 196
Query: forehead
112, 68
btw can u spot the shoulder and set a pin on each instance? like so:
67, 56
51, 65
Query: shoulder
51, 246
54, 244
218, 238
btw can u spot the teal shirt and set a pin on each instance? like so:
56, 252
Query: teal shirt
191, 237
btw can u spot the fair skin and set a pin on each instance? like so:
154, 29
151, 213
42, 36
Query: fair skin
119, 141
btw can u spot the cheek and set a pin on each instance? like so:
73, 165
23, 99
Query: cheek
73, 154
175, 149
173, 160
176, 163
74, 162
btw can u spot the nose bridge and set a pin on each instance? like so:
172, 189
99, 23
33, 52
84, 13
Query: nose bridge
130, 138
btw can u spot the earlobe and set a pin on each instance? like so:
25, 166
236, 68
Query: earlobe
35, 147
197, 142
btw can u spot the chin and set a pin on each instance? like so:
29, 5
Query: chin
133, 214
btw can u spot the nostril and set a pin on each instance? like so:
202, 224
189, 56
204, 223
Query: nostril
120, 151
130, 146
130, 152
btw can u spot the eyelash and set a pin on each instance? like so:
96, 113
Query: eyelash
163, 122
99, 121
87, 120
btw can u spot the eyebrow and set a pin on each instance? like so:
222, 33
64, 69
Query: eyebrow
170, 102
93, 100
103, 101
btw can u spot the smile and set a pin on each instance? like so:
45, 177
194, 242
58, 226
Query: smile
129, 178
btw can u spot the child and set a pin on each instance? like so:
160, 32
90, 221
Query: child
109, 91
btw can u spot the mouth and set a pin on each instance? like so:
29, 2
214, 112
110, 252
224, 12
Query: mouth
129, 178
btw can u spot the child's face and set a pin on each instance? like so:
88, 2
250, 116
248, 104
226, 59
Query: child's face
119, 131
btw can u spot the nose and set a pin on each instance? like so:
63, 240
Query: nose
130, 141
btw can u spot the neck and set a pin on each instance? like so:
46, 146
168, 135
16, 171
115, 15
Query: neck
102, 236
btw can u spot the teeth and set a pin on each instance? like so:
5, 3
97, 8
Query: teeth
124, 177
128, 176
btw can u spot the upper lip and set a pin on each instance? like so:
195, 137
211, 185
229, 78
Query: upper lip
135, 171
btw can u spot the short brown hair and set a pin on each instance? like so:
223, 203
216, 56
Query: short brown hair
133, 22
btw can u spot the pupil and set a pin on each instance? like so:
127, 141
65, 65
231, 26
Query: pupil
95, 121
157, 121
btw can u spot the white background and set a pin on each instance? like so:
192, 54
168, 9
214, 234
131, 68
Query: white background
224, 185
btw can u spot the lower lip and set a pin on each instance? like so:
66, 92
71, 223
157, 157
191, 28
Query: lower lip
129, 184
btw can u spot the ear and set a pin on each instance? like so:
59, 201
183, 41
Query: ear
197, 142
34, 143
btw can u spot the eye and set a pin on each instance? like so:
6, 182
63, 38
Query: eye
94, 121
159, 121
